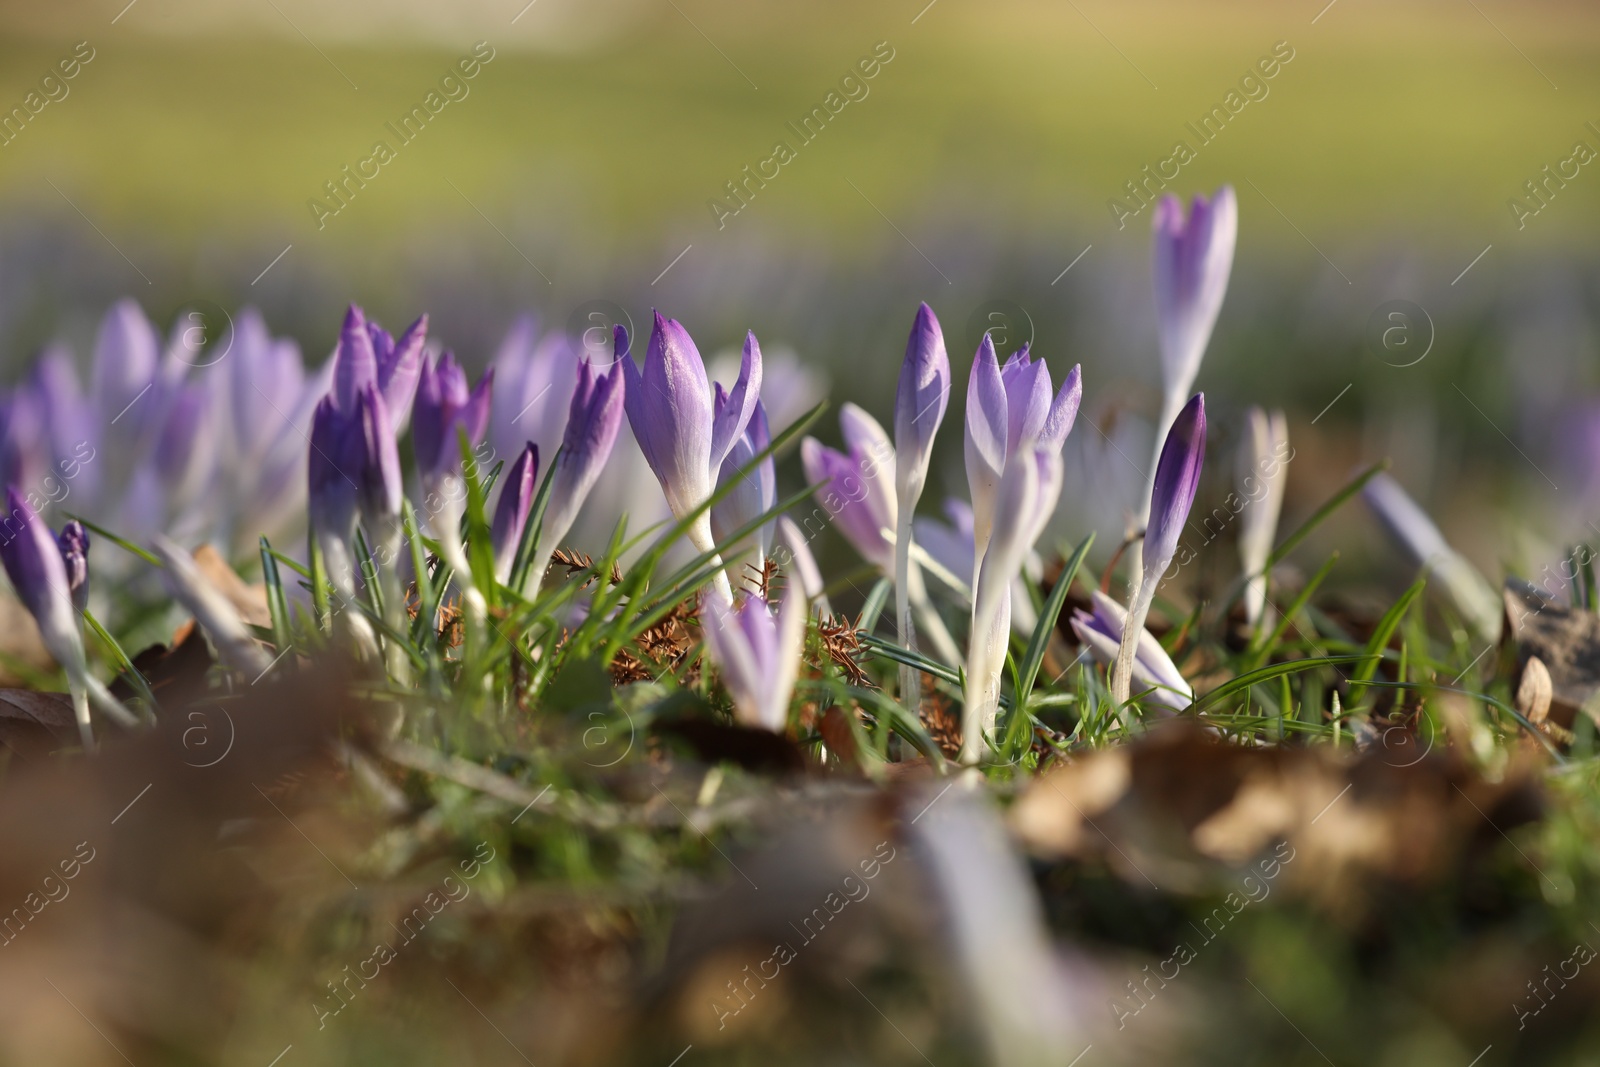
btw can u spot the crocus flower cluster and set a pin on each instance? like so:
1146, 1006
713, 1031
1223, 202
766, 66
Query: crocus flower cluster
206, 440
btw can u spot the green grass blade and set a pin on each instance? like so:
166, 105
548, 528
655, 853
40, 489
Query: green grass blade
277, 599
1287, 616
1033, 657
1380, 637
876, 599
121, 542
1267, 674
123, 661
533, 529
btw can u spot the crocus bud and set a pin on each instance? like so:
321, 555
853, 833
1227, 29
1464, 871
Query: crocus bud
444, 407
74, 544
1193, 257
33, 561
511, 513
757, 490
1101, 632
332, 492
1263, 454
371, 449
919, 405
1176, 481
594, 418
366, 355
1410, 526
683, 436
757, 654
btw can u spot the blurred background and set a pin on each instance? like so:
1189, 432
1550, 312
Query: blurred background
587, 163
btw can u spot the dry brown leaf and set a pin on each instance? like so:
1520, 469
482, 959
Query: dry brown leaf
250, 601
34, 724
1180, 808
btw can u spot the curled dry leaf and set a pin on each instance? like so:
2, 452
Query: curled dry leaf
1534, 691
1565, 640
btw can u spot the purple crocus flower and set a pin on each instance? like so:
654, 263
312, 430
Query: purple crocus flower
757, 653
354, 466
511, 513
919, 407
1101, 632
757, 490
683, 436
534, 377
1193, 257
594, 418
367, 355
74, 544
1176, 480
444, 407
332, 491
33, 561
857, 485
1008, 409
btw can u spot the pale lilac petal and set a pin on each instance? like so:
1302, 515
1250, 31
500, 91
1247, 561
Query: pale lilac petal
923, 393
511, 513
354, 360
670, 410
1063, 411
729, 423
1027, 384
1193, 258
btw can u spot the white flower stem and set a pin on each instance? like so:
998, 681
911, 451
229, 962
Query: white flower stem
1138, 608
910, 677
80, 709
699, 534
390, 537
